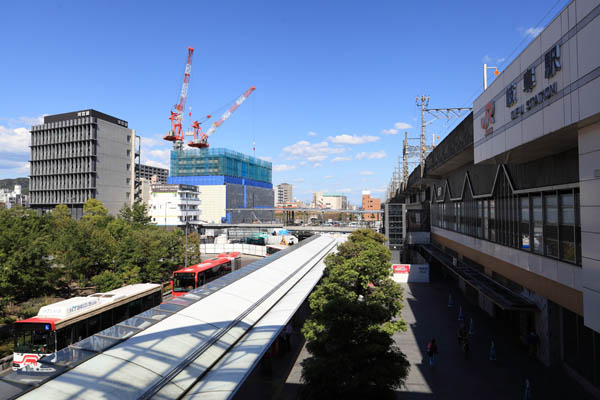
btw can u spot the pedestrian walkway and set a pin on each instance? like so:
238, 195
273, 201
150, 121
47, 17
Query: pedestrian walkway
427, 314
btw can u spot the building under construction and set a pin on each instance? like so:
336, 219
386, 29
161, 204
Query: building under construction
227, 180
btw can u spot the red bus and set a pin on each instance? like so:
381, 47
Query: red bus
194, 276
58, 325
235, 258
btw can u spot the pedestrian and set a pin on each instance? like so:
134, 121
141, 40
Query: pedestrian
461, 333
432, 350
533, 341
466, 347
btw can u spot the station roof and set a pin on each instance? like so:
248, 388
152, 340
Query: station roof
206, 342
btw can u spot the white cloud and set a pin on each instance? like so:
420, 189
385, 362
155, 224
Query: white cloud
389, 131
162, 154
532, 32
14, 140
311, 133
371, 156
317, 158
317, 165
329, 177
299, 180
305, 149
151, 142
266, 158
501, 60
378, 190
303, 163
353, 139
157, 164
340, 159
344, 190
402, 125
283, 167
365, 173
486, 59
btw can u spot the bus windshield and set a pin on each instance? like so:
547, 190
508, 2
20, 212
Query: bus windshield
184, 281
34, 341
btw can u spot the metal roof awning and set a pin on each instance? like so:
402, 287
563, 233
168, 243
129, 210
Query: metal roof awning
498, 294
202, 344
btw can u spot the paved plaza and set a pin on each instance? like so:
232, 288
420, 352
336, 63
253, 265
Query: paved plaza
427, 314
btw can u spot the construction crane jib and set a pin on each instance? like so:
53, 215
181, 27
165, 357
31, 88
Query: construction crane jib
201, 140
176, 134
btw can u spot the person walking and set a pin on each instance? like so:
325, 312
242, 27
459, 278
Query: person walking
432, 350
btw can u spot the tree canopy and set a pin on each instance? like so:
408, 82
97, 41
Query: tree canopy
355, 312
48, 254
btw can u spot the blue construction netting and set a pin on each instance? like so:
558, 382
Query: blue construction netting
215, 180
215, 162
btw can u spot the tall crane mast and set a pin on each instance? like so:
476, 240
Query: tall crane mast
201, 139
176, 134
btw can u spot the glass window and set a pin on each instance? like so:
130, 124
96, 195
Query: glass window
479, 218
485, 220
492, 220
551, 226
525, 242
538, 233
567, 227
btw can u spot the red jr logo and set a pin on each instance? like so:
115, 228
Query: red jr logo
488, 118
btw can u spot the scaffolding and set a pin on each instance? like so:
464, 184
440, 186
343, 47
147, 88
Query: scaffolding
219, 162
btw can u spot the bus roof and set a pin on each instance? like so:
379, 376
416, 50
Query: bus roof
68, 308
233, 254
208, 264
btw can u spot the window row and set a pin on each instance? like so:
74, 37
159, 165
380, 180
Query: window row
546, 223
63, 135
61, 197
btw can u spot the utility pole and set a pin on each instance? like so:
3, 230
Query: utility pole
448, 113
422, 102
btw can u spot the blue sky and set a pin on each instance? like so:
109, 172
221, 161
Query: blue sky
333, 78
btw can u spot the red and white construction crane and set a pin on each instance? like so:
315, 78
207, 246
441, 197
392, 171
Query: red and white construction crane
176, 134
201, 139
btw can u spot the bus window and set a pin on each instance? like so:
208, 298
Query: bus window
63, 337
34, 341
94, 324
106, 319
135, 307
120, 314
184, 281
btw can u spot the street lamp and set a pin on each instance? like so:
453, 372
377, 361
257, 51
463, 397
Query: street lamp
485, 68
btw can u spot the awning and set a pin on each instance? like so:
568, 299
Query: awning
498, 294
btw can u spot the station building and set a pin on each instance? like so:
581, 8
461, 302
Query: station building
509, 203
227, 180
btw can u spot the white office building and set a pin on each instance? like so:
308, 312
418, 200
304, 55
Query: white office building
173, 205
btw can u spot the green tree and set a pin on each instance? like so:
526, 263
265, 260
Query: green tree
355, 312
194, 256
136, 214
95, 213
24, 254
107, 280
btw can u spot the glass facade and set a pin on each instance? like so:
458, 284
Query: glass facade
546, 223
219, 162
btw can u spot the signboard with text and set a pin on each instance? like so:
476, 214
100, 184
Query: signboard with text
412, 273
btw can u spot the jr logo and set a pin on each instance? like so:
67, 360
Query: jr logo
488, 118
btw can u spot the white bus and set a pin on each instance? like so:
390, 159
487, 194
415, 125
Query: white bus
60, 324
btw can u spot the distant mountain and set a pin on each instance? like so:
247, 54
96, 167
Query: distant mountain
10, 184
